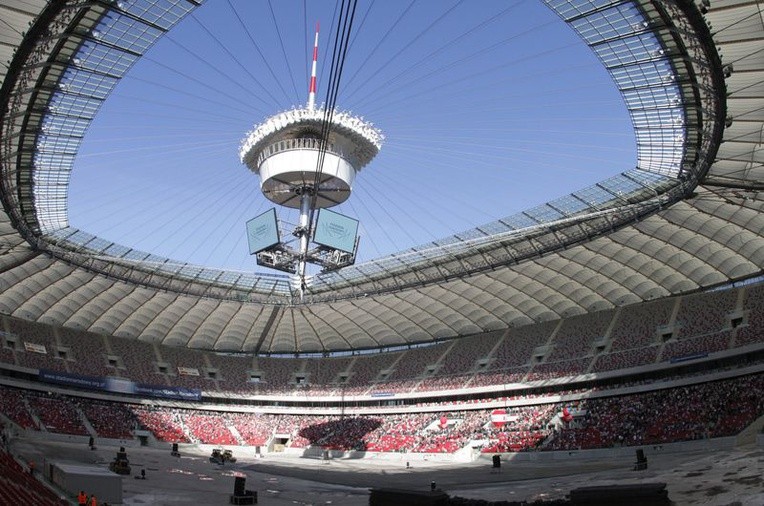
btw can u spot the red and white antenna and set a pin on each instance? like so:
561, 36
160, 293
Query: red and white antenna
312, 89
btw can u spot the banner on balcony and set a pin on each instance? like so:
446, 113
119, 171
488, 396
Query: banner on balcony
164, 392
35, 348
72, 380
119, 385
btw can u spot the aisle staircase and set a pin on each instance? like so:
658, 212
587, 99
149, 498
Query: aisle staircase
233, 430
748, 435
34, 416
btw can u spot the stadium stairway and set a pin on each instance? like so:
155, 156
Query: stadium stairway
6, 424
748, 435
233, 430
34, 416
189, 434
91, 430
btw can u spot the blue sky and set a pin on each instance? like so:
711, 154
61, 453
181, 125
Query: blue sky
488, 107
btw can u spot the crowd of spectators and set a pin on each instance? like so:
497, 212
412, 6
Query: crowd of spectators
324, 373
525, 429
8, 348
110, 419
754, 305
365, 369
234, 372
91, 350
398, 432
450, 432
577, 335
208, 428
439, 382
57, 413
711, 409
576, 345
164, 423
187, 368
719, 408
515, 375
254, 430
412, 364
38, 337
13, 405
138, 358
705, 313
344, 433
464, 355
548, 370
393, 386
516, 349
637, 325
626, 358
708, 343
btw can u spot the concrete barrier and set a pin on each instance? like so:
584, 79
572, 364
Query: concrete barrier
620, 453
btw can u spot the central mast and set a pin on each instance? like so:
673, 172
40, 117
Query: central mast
307, 159
312, 86
307, 192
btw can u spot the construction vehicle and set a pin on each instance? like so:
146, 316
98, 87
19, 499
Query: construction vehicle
220, 456
120, 465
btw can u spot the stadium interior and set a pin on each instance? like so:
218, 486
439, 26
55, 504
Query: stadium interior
624, 319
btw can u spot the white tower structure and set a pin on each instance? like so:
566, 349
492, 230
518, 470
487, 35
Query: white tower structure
308, 158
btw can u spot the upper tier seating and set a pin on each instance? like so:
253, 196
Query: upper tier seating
613, 340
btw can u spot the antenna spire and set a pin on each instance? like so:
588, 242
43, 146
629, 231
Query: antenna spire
312, 89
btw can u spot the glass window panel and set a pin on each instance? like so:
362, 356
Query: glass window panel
652, 73
610, 23
594, 195
117, 250
229, 277
519, 221
98, 244
87, 83
72, 105
104, 59
64, 125
189, 270
567, 10
209, 274
80, 237
641, 47
544, 214
652, 97
163, 13
126, 33
569, 204
136, 255
620, 185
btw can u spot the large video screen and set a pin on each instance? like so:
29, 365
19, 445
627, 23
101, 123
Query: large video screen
335, 231
262, 231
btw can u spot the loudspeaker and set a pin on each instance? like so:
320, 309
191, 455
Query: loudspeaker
175, 447
239, 485
496, 461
